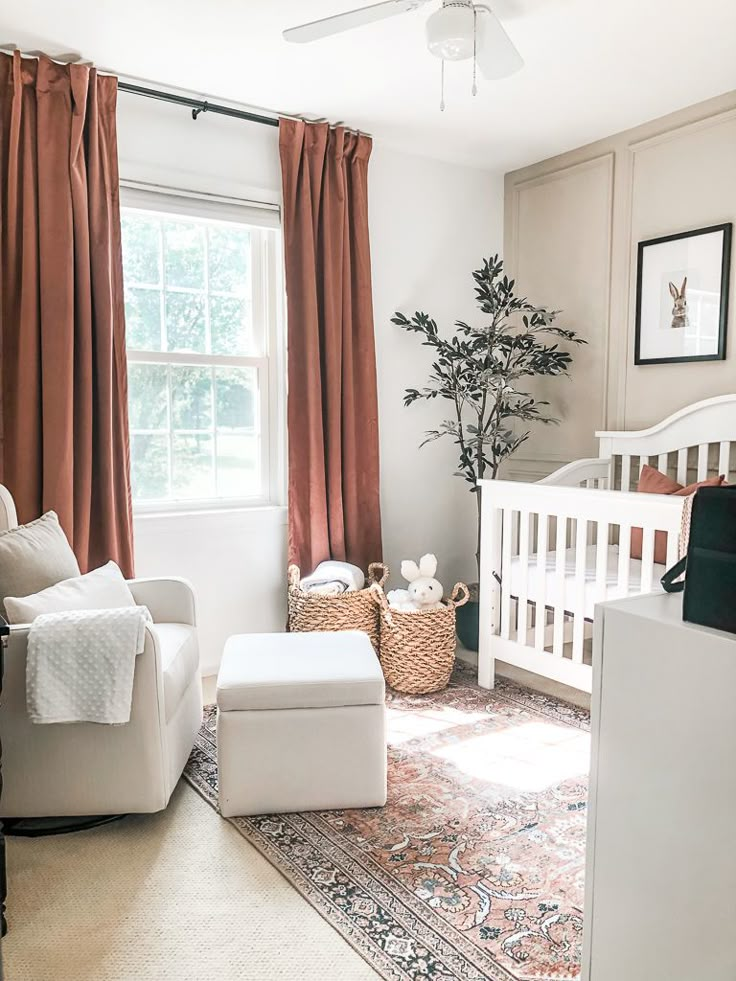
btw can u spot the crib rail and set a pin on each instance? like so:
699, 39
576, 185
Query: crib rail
592, 472
549, 552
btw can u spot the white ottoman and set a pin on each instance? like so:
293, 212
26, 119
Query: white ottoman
300, 723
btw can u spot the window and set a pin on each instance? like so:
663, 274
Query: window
201, 307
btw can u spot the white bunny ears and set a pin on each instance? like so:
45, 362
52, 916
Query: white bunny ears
426, 568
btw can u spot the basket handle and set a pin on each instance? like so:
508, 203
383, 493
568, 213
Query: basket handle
293, 576
460, 594
379, 598
377, 573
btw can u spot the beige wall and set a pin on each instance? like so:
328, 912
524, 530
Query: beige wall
572, 224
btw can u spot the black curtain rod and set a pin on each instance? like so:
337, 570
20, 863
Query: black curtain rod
196, 105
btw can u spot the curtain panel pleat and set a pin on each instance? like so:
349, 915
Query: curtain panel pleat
334, 505
63, 373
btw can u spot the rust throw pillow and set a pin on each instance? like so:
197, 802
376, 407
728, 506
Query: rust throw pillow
652, 481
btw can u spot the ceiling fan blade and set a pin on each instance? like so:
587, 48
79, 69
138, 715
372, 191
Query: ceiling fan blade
497, 56
352, 18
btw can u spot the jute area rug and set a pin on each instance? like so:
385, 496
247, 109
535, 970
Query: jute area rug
474, 868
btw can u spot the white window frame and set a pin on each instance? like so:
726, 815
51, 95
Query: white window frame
268, 305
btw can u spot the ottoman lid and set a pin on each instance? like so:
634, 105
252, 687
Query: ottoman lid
300, 670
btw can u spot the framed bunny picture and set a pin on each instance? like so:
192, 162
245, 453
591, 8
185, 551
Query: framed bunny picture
682, 296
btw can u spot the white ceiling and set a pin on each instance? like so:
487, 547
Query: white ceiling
592, 67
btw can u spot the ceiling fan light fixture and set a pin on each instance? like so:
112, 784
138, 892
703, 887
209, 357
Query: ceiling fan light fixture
451, 31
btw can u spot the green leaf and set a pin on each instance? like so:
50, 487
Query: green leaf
482, 370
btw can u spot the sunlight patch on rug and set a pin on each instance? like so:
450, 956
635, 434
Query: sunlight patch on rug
474, 868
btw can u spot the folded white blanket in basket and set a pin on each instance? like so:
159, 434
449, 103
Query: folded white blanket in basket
80, 664
332, 578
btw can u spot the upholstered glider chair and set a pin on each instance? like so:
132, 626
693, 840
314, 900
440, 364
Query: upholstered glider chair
75, 769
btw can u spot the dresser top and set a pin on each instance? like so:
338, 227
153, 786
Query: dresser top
665, 608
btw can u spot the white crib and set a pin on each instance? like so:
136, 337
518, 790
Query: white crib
553, 549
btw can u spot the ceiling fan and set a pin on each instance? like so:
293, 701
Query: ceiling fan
458, 31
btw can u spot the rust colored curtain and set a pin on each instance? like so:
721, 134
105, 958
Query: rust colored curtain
334, 507
62, 325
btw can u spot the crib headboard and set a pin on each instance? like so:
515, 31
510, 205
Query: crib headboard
697, 442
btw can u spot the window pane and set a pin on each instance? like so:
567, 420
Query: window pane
184, 254
143, 319
193, 471
148, 396
236, 398
229, 259
185, 322
191, 394
141, 244
150, 467
230, 325
238, 465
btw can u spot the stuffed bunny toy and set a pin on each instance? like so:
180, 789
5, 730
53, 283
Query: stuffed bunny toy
424, 592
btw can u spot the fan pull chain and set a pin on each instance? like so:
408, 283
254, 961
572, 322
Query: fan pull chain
475, 51
442, 87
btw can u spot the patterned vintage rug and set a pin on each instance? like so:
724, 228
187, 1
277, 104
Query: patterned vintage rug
474, 869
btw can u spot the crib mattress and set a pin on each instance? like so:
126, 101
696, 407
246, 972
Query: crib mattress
568, 588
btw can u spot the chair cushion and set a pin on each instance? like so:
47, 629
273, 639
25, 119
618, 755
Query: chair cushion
102, 589
34, 556
299, 670
179, 661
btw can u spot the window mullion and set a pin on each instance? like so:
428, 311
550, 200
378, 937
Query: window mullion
162, 288
171, 430
207, 324
214, 430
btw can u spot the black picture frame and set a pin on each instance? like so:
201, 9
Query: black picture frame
720, 355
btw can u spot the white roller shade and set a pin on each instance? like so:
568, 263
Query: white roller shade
199, 204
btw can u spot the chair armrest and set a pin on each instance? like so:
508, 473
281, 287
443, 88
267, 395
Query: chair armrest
19, 633
170, 600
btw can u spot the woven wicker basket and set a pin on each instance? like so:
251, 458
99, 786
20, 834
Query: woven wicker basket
417, 651
349, 611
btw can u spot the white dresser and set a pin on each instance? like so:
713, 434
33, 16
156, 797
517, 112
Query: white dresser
660, 899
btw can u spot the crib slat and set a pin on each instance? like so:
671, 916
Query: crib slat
724, 461
578, 629
624, 560
491, 570
647, 560
524, 567
540, 608
601, 562
506, 573
702, 461
558, 635
682, 466
663, 462
625, 473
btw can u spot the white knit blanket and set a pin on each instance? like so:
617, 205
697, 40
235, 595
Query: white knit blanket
80, 664
332, 578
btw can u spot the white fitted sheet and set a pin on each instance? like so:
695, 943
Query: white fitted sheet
569, 589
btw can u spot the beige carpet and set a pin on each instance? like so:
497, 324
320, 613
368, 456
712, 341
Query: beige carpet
177, 896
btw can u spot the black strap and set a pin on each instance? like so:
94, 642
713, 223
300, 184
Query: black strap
668, 579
